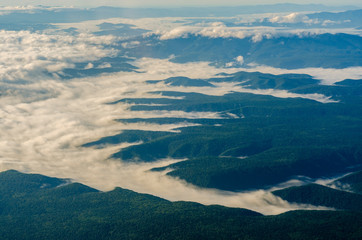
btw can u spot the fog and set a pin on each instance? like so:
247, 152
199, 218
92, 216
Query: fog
44, 134
44, 120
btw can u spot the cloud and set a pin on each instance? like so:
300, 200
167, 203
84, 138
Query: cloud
163, 68
104, 65
172, 28
177, 27
5, 10
240, 60
219, 31
328, 76
44, 134
293, 18
44, 121
29, 56
89, 66
257, 34
130, 44
30, 7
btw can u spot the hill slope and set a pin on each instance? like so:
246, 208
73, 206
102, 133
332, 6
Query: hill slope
75, 211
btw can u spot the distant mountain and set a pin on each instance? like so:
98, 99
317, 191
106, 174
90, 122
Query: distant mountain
321, 50
257, 80
184, 81
72, 15
354, 16
75, 211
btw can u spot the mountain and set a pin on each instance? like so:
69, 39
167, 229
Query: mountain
43, 14
318, 195
75, 211
205, 104
290, 52
347, 17
258, 140
184, 81
351, 182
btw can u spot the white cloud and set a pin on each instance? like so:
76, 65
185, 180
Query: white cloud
104, 65
255, 33
293, 18
240, 60
328, 76
89, 66
219, 31
5, 10
29, 7
177, 27
131, 44
26, 56
164, 69
44, 135
43, 123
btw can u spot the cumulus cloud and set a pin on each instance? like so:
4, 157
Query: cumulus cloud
28, 56
131, 44
293, 18
220, 31
172, 28
331, 182
240, 60
257, 34
89, 66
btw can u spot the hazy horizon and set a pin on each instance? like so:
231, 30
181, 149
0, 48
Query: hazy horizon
167, 4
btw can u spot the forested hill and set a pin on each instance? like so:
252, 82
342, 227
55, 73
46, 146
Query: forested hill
38, 207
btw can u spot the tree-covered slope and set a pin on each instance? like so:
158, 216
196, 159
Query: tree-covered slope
75, 211
258, 140
291, 52
322, 196
351, 182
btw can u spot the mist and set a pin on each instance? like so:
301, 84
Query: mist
44, 133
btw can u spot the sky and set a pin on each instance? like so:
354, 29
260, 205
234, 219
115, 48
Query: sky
167, 3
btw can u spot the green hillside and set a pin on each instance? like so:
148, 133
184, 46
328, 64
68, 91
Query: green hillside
322, 196
352, 182
74, 211
259, 140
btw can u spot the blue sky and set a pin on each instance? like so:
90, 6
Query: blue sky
168, 3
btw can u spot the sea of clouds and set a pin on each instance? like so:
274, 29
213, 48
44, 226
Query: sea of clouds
45, 120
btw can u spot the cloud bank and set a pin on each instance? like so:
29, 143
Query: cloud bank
44, 134
29, 56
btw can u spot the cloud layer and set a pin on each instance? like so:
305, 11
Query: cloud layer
28, 56
44, 121
44, 134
